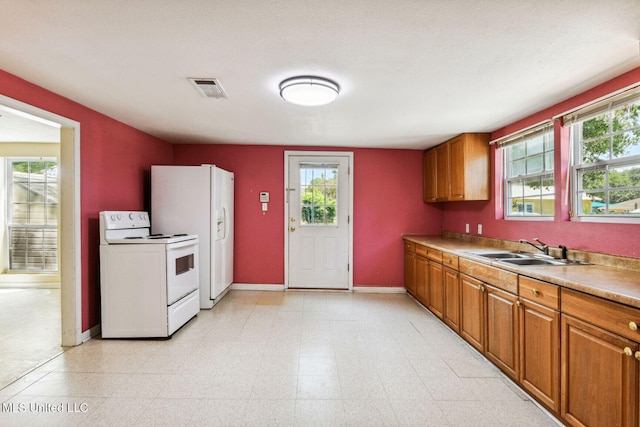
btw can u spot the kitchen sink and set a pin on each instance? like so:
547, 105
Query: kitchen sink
525, 259
533, 261
500, 255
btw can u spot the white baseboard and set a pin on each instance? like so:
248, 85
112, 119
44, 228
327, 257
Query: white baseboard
380, 289
367, 289
256, 287
88, 334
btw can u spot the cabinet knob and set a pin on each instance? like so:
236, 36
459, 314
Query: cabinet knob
633, 326
637, 355
628, 351
482, 289
518, 303
292, 229
535, 292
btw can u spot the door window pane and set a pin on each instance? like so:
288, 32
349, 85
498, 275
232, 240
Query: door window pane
318, 194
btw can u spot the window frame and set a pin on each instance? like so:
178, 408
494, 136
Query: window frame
9, 161
545, 129
575, 121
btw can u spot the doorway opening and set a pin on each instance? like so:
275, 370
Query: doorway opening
40, 311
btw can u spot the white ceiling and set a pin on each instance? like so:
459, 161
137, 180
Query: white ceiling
412, 72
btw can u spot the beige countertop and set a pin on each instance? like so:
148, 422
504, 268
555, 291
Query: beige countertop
613, 283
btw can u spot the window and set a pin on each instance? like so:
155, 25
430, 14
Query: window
319, 194
606, 153
529, 186
32, 215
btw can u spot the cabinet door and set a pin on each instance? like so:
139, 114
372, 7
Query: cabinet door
410, 272
599, 382
472, 308
430, 176
540, 353
436, 289
457, 169
451, 299
442, 168
422, 280
501, 342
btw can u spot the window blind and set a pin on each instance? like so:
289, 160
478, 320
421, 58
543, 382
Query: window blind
600, 107
521, 135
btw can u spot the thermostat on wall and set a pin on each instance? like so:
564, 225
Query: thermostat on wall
264, 196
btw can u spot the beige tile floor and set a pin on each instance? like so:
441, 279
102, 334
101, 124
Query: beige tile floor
29, 330
281, 359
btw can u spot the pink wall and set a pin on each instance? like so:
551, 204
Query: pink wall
619, 239
115, 164
387, 203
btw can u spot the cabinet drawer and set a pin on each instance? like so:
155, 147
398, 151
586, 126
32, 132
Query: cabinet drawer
434, 255
614, 317
450, 260
543, 293
421, 250
409, 246
505, 280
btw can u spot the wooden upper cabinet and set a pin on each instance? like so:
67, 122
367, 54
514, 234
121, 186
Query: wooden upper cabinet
458, 169
442, 168
430, 176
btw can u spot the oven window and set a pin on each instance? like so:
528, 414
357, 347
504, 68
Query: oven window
184, 264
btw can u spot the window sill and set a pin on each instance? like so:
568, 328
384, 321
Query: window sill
528, 218
607, 219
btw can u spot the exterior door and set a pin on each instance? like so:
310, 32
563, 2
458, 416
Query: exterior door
318, 220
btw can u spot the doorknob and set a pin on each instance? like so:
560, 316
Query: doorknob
292, 229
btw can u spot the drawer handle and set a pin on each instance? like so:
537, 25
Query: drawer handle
628, 351
633, 326
535, 292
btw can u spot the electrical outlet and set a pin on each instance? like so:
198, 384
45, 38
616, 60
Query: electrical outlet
479, 229
466, 228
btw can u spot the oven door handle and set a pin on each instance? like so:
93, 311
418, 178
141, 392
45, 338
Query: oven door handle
182, 244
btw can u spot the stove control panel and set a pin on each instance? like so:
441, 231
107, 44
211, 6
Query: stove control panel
118, 220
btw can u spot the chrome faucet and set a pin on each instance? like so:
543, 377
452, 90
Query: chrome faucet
543, 246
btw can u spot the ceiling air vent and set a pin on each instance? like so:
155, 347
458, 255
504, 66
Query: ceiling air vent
209, 88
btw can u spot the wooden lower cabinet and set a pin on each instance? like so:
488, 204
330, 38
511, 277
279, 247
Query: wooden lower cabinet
501, 339
436, 289
451, 314
540, 353
410, 268
472, 311
422, 280
599, 381
576, 354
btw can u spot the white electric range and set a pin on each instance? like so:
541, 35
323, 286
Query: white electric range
149, 284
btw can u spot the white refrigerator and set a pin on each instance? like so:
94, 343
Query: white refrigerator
198, 200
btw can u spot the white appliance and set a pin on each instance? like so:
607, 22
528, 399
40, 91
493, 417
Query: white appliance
149, 284
199, 200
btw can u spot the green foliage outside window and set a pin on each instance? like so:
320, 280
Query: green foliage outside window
612, 135
319, 199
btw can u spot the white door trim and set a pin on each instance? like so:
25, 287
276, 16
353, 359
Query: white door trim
70, 243
287, 155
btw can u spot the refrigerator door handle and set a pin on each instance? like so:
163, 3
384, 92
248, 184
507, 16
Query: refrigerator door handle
221, 232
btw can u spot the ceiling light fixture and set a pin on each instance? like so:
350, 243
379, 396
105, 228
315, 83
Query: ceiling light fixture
309, 90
